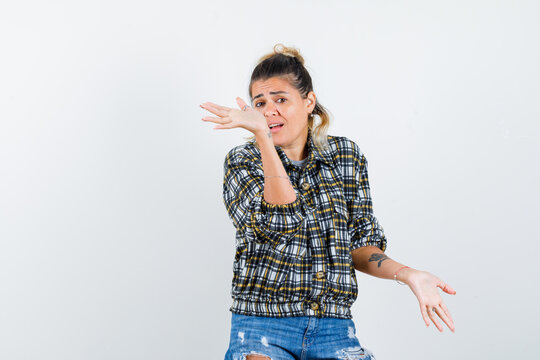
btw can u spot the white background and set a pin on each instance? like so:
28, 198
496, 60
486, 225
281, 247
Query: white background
114, 241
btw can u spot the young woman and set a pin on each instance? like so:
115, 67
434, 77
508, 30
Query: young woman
301, 205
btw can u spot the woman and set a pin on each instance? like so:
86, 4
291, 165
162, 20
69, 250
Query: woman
300, 202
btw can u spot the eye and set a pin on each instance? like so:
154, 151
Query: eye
282, 99
257, 104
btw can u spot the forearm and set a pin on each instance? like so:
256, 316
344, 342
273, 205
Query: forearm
373, 261
277, 188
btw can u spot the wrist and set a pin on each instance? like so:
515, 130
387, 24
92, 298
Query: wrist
263, 135
404, 275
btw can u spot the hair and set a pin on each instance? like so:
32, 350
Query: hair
287, 63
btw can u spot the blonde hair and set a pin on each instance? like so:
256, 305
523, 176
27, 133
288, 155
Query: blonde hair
287, 63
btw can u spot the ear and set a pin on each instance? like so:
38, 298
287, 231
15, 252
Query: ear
311, 100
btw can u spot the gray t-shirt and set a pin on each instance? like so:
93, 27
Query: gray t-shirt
301, 163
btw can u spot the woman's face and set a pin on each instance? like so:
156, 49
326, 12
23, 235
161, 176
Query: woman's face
282, 104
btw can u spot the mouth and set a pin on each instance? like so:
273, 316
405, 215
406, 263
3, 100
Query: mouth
275, 127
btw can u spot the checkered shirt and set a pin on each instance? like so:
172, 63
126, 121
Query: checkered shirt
295, 259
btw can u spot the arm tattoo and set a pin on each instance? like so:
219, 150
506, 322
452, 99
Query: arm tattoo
378, 257
269, 134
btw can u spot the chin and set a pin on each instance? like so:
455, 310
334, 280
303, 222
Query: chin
278, 141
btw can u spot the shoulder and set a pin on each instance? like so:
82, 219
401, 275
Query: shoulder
245, 153
343, 149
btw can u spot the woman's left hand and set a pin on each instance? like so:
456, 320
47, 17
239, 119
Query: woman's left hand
424, 285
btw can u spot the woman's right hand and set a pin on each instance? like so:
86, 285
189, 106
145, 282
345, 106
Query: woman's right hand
229, 118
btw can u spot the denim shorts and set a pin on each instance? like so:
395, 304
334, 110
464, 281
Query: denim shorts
294, 338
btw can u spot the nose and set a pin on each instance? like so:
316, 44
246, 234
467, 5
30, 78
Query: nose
270, 109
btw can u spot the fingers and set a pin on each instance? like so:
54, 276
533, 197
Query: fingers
430, 314
223, 123
241, 103
424, 314
442, 314
446, 288
445, 309
433, 317
217, 120
216, 109
226, 126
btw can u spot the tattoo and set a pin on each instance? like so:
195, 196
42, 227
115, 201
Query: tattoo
269, 134
378, 257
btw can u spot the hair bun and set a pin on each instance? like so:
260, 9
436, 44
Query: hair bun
284, 50
289, 51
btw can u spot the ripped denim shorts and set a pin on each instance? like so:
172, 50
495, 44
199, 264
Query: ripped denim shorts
294, 338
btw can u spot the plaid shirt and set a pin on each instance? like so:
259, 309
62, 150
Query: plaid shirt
295, 259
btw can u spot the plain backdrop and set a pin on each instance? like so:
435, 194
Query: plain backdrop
114, 240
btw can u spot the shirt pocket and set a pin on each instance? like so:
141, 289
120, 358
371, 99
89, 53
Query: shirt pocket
340, 207
340, 215
294, 244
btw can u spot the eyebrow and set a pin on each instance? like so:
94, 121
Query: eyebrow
271, 93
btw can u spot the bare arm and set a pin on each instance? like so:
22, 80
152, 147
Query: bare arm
277, 189
373, 261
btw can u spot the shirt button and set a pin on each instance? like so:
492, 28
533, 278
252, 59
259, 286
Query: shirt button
314, 306
305, 185
319, 275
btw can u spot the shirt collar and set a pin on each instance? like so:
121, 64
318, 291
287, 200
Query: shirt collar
322, 155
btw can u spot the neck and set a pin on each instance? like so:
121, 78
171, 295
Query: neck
298, 150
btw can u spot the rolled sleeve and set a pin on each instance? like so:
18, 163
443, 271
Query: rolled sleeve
364, 227
258, 220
